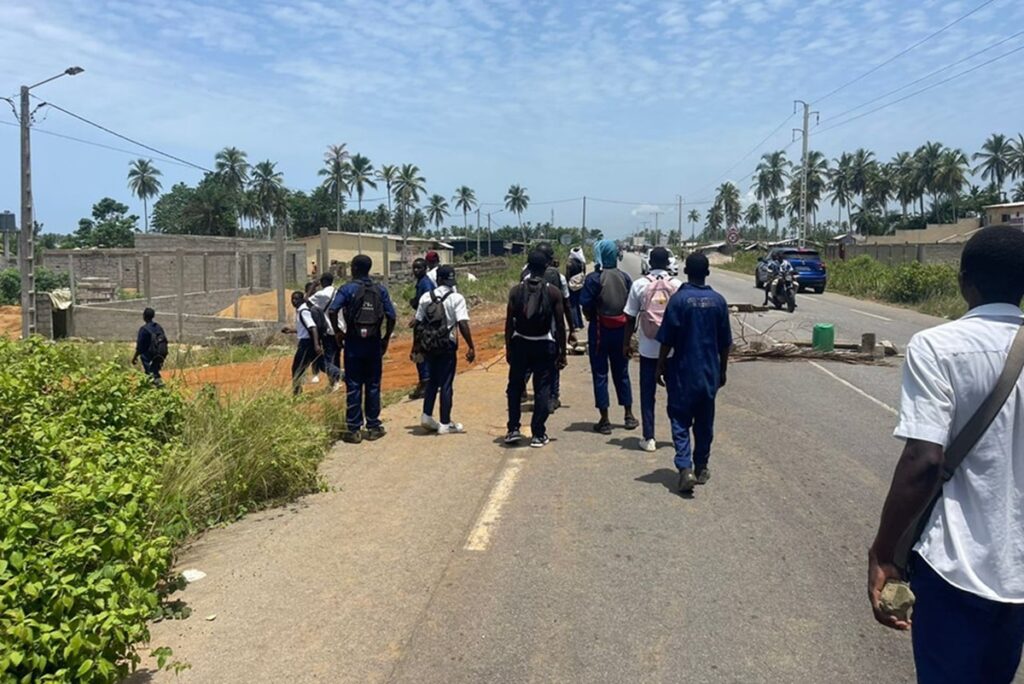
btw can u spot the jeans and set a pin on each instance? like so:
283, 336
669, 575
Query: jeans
362, 379
331, 358
305, 356
575, 310
699, 416
605, 348
441, 378
423, 371
152, 368
525, 357
960, 637
648, 387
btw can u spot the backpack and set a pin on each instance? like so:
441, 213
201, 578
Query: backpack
157, 341
576, 281
614, 293
553, 277
655, 301
433, 334
320, 320
533, 311
364, 315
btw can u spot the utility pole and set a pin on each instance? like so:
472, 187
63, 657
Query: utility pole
26, 239
680, 219
489, 234
552, 220
805, 134
583, 230
478, 254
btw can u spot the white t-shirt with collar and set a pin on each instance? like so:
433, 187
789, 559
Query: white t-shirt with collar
650, 348
975, 536
455, 308
303, 322
321, 299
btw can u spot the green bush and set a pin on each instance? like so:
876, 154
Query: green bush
46, 281
915, 282
80, 564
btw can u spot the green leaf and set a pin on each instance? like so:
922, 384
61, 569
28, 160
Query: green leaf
85, 666
17, 560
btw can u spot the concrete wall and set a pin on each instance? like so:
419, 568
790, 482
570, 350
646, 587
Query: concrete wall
207, 303
342, 247
109, 324
942, 253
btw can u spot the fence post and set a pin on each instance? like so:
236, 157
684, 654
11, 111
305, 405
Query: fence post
323, 259
206, 263
250, 272
146, 282
179, 256
120, 271
71, 277
238, 266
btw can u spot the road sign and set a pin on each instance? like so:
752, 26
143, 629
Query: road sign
7, 224
565, 239
732, 236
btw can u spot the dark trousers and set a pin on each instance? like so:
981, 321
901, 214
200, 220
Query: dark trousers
362, 380
960, 637
575, 310
648, 388
525, 357
152, 367
423, 371
605, 349
305, 356
441, 379
698, 415
330, 361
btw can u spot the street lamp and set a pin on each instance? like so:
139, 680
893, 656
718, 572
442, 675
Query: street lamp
26, 241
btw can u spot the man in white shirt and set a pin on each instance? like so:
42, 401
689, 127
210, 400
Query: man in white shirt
433, 260
307, 334
330, 361
645, 307
442, 364
967, 571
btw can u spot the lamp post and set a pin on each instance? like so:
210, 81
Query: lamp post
26, 238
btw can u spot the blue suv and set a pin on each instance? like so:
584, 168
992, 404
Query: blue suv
810, 269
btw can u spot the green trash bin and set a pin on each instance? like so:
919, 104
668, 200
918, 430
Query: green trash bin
824, 337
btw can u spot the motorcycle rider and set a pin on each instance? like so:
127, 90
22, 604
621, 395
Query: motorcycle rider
777, 267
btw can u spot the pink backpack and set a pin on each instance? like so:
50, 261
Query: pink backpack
655, 301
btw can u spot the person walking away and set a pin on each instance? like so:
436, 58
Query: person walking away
603, 300
423, 285
309, 335
575, 274
151, 347
534, 344
330, 361
442, 315
645, 310
966, 567
695, 338
369, 318
433, 260
553, 277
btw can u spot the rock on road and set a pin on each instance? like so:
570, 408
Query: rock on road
454, 559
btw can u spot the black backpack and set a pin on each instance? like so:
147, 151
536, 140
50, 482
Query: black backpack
533, 313
365, 313
320, 320
433, 334
157, 341
614, 293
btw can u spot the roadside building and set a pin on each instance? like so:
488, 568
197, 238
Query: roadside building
1011, 213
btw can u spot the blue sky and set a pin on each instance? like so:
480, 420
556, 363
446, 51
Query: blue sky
630, 101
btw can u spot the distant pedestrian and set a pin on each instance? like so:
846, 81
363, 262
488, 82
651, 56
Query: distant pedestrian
369, 317
310, 330
535, 342
645, 310
441, 317
966, 568
433, 260
695, 337
603, 299
423, 285
330, 361
151, 346
575, 275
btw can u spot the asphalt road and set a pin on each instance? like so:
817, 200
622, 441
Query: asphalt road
454, 559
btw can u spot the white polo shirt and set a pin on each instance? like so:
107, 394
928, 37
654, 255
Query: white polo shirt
975, 536
303, 322
321, 299
650, 348
455, 308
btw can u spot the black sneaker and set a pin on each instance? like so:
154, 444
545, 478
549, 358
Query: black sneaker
556, 404
538, 442
703, 475
631, 423
604, 427
686, 480
355, 437
373, 434
513, 437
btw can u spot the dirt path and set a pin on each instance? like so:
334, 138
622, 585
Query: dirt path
10, 321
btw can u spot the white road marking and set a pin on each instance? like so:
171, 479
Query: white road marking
856, 389
865, 313
480, 535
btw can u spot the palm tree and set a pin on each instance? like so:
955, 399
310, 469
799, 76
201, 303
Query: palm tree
516, 201
335, 175
996, 155
408, 186
728, 197
714, 221
951, 175
839, 184
267, 186
926, 160
776, 210
465, 199
418, 221
1017, 156
693, 217
1018, 192
437, 210
360, 177
143, 182
752, 215
388, 174
772, 173
232, 167
862, 164
904, 185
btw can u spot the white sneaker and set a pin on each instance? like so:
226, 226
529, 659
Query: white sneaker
451, 429
648, 444
315, 379
429, 423
337, 387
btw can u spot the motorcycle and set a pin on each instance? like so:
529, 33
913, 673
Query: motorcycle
782, 291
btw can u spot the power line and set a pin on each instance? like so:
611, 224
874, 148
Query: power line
88, 142
901, 53
921, 90
938, 71
752, 150
124, 137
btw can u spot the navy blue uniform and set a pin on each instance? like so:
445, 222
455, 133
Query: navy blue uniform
605, 346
